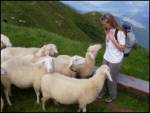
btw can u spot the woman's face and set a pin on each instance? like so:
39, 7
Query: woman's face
106, 24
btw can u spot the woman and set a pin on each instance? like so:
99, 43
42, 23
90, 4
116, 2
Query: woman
113, 55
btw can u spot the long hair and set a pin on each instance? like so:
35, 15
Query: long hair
109, 18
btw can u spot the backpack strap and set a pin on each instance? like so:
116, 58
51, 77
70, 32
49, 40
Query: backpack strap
116, 32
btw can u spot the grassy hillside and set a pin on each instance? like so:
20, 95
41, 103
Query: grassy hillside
90, 24
51, 16
25, 36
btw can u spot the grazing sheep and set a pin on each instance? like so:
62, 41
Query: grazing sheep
24, 73
5, 42
66, 90
2, 104
46, 50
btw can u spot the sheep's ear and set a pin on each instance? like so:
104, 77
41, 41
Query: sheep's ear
108, 75
41, 51
49, 64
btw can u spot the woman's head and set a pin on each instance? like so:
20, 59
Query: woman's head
109, 22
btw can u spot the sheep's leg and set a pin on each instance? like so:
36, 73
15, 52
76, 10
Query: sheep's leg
38, 97
2, 104
82, 107
7, 88
37, 91
7, 91
44, 99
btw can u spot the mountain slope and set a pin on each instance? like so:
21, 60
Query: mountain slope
51, 16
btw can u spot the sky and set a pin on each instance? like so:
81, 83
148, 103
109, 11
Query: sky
133, 12
136, 12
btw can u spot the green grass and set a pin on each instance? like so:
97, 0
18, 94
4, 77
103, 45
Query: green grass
137, 64
25, 100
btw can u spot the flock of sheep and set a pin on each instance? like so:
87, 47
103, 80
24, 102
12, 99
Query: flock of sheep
63, 78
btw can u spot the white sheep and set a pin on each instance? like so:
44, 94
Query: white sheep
5, 42
62, 63
2, 104
24, 73
86, 69
67, 90
31, 53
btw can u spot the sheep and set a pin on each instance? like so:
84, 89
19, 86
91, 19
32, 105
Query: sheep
5, 42
24, 73
86, 70
67, 90
2, 104
31, 53
62, 63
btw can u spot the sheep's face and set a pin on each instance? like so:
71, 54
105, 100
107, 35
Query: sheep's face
92, 50
76, 62
104, 69
47, 62
49, 50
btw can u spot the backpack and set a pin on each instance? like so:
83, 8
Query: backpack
130, 40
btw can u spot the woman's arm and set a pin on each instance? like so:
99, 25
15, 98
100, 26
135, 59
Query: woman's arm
120, 47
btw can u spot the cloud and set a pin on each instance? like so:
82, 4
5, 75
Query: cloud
95, 3
138, 3
133, 22
137, 10
86, 6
